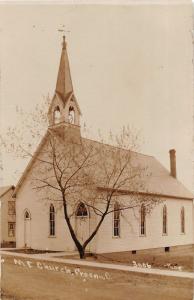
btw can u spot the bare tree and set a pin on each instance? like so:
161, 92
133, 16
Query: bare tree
71, 170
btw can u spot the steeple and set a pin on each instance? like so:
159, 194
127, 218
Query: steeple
64, 109
64, 83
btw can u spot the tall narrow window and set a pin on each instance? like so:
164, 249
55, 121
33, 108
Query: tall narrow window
57, 115
81, 210
11, 229
71, 115
52, 220
164, 229
27, 215
11, 207
116, 220
182, 220
143, 220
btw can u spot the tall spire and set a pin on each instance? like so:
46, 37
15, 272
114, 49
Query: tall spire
64, 83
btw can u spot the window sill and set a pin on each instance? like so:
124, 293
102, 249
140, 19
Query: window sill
52, 236
142, 235
182, 233
164, 234
116, 237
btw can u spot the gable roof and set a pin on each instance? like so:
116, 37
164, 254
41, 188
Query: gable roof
157, 179
5, 189
159, 182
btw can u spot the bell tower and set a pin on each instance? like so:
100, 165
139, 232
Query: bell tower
64, 109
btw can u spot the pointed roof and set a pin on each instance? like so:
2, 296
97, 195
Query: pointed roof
64, 85
5, 189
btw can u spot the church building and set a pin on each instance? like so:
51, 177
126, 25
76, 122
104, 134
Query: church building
41, 224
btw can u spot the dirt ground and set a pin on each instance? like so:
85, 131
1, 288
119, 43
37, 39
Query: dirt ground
33, 280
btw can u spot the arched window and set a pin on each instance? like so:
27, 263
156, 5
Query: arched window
143, 220
182, 220
164, 222
52, 220
57, 115
71, 115
26, 215
116, 220
81, 210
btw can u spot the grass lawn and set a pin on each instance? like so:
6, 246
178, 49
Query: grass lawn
31, 251
176, 258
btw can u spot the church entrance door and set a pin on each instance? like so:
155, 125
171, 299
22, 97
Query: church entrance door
82, 229
82, 224
27, 229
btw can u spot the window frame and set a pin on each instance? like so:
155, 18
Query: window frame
56, 119
164, 220
84, 210
142, 220
116, 220
52, 221
71, 109
11, 229
182, 220
11, 210
29, 215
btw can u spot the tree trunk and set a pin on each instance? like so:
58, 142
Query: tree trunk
80, 248
81, 252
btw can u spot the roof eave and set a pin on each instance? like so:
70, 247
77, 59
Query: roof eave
127, 192
18, 185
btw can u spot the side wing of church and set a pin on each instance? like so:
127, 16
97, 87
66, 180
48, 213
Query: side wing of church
41, 223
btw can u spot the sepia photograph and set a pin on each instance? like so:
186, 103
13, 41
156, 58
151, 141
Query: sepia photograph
97, 150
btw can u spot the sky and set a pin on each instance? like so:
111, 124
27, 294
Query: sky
130, 65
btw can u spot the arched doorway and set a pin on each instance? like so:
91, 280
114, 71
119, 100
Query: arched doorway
27, 229
82, 222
